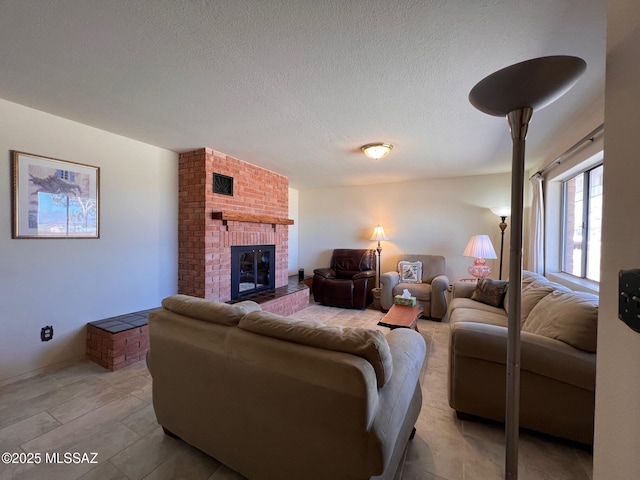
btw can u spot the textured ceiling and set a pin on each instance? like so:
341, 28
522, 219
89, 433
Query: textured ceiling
298, 86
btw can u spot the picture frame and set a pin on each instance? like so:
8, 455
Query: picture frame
53, 198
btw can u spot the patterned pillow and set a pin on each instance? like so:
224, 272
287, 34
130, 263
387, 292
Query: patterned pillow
410, 272
489, 291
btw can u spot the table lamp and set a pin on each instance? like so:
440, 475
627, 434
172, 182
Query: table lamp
480, 247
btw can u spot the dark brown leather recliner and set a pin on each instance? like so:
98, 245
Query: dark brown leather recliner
348, 282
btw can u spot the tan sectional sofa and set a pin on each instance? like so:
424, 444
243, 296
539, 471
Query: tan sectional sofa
558, 357
273, 397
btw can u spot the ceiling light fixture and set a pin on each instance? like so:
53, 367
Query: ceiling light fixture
376, 150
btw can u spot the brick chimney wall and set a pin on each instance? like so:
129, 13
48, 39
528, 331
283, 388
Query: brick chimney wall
204, 244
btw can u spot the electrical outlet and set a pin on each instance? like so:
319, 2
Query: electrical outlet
629, 299
46, 333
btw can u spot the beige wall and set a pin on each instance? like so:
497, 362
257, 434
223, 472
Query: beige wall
617, 436
430, 216
68, 283
293, 231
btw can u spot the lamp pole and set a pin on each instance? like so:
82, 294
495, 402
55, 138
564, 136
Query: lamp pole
379, 250
503, 227
515, 92
518, 122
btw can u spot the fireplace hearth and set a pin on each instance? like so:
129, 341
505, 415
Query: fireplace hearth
252, 269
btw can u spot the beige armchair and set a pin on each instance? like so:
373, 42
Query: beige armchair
430, 291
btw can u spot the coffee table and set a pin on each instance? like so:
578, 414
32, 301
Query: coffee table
402, 316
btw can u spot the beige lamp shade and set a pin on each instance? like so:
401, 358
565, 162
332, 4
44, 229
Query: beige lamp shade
480, 246
378, 234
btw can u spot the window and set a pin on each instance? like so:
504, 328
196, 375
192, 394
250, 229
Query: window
66, 175
582, 224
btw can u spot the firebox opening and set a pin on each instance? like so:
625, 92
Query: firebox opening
252, 269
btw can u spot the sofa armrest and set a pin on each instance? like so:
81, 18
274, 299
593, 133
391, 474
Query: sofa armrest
439, 288
364, 274
388, 280
541, 355
325, 272
400, 399
463, 289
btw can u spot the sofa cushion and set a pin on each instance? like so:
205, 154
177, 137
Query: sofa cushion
208, 311
571, 317
532, 293
479, 315
530, 279
490, 292
422, 291
472, 306
368, 344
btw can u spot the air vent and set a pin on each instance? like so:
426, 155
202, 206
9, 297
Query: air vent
222, 184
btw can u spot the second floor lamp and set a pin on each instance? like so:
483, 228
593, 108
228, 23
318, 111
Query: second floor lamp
379, 235
503, 213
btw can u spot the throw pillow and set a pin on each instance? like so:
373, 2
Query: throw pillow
410, 272
571, 317
490, 292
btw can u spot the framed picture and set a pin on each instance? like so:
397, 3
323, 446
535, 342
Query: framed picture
54, 198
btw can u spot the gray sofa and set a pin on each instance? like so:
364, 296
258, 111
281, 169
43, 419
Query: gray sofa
558, 357
430, 291
274, 397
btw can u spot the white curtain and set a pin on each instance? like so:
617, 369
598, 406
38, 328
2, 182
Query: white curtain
535, 260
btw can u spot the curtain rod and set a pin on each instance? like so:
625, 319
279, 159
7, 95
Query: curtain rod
559, 159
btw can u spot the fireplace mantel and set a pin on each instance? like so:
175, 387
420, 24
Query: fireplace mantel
251, 218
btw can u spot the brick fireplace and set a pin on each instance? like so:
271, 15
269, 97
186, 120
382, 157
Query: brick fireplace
253, 212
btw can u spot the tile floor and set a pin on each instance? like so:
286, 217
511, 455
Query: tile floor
85, 408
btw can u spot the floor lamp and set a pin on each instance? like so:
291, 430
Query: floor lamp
379, 235
503, 213
515, 92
